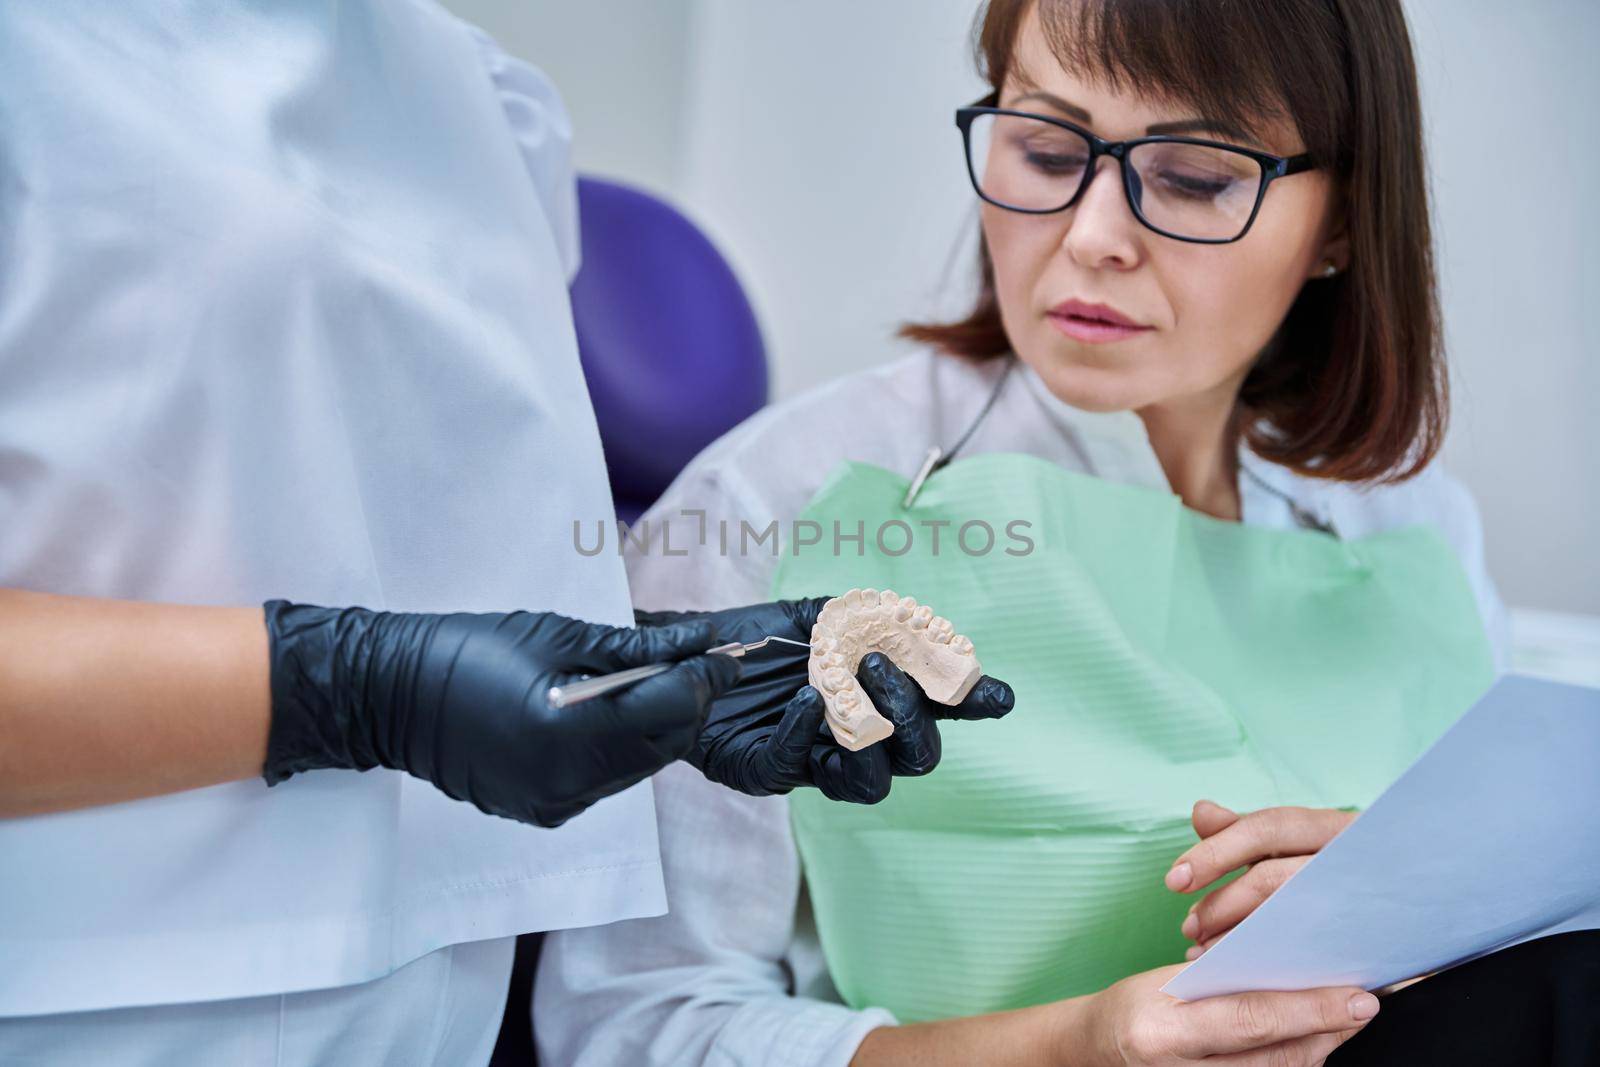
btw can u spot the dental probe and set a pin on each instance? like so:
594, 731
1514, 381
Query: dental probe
561, 696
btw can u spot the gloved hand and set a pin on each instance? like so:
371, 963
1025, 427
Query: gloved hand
767, 734
459, 700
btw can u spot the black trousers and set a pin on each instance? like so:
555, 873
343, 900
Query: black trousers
514, 1047
1537, 1003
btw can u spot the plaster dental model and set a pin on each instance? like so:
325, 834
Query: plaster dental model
916, 640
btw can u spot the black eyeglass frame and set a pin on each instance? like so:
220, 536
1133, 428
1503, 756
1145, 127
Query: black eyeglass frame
1272, 167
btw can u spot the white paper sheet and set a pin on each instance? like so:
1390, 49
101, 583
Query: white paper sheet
1490, 839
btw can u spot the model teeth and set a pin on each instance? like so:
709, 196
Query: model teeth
922, 644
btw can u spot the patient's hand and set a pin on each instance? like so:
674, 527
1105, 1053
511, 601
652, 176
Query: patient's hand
1134, 1024
1273, 843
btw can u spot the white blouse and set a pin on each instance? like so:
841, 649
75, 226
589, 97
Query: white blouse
733, 974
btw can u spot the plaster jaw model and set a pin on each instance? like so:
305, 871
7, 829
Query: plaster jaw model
916, 640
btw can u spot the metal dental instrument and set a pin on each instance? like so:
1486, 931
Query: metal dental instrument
561, 696
1301, 516
937, 457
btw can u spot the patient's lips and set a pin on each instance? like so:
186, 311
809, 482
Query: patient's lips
1093, 323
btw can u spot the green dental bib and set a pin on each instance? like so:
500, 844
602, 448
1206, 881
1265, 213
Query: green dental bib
1159, 656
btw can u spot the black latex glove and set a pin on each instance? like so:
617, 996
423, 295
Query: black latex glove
767, 734
459, 701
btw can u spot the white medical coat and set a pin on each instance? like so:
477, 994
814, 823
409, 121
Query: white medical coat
283, 313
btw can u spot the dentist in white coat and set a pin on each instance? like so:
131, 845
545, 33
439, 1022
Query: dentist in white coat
283, 319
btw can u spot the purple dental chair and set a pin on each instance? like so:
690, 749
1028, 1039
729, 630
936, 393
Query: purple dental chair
673, 358
669, 344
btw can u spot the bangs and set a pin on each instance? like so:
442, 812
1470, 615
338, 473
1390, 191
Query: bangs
1242, 63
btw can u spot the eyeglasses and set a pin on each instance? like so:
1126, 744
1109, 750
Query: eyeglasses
1180, 187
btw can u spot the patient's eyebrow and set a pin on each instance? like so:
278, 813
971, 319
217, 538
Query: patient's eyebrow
1212, 126
1071, 110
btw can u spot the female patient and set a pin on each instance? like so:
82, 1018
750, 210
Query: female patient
1238, 310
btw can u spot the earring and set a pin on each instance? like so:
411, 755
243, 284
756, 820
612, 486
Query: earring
1329, 268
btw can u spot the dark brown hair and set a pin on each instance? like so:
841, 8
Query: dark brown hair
1353, 384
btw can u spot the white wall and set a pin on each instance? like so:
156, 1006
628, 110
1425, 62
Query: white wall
814, 142
1510, 93
827, 163
621, 67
